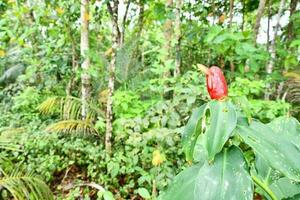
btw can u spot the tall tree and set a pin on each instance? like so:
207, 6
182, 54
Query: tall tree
84, 47
178, 37
293, 6
243, 14
116, 41
123, 25
168, 34
260, 12
231, 12
269, 20
72, 80
270, 65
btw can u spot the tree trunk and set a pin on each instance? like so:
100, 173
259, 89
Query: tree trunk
140, 24
231, 13
259, 15
72, 80
293, 6
178, 38
270, 65
168, 30
116, 41
243, 15
268, 29
84, 47
124, 23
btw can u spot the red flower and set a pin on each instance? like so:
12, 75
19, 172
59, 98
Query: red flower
215, 82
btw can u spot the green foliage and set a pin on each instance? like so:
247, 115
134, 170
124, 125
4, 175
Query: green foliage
276, 146
27, 100
40, 56
226, 178
247, 94
128, 104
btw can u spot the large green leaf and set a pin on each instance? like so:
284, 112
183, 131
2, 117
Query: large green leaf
223, 119
226, 178
281, 186
287, 126
191, 132
285, 188
278, 150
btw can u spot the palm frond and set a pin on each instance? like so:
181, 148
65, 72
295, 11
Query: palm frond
69, 107
23, 186
69, 126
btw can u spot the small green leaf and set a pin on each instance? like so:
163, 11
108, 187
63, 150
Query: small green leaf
143, 192
107, 195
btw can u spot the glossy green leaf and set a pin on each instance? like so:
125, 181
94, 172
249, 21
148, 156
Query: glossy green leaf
289, 127
226, 178
279, 151
285, 188
191, 132
223, 120
143, 192
266, 173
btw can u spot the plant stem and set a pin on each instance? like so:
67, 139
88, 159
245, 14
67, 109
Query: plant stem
264, 187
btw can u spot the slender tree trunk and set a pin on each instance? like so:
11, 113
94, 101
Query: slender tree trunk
268, 29
124, 23
259, 15
270, 65
231, 13
168, 30
140, 24
141, 18
243, 15
84, 47
178, 38
113, 9
293, 6
72, 80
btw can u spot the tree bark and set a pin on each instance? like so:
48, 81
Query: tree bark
124, 23
84, 47
116, 41
270, 65
268, 29
168, 30
243, 15
259, 15
178, 38
139, 29
231, 13
293, 6
71, 82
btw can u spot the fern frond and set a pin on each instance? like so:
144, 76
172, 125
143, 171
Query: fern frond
68, 107
69, 126
23, 186
48, 106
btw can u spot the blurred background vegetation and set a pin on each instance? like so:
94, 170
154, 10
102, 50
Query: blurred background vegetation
73, 73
